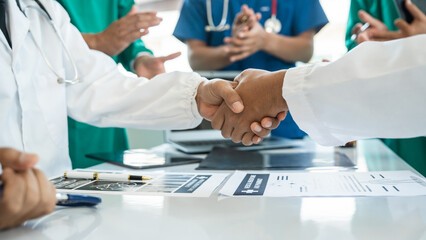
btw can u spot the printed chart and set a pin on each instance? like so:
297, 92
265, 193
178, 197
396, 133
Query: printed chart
350, 184
173, 184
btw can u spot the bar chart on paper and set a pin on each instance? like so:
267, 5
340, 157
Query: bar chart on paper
344, 184
167, 184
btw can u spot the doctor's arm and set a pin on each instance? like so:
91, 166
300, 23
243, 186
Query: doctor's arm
203, 57
373, 91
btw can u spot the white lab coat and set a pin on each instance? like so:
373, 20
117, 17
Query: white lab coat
376, 90
34, 107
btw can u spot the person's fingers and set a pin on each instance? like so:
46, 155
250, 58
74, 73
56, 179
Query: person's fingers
414, 10
237, 135
239, 56
140, 21
282, 115
367, 18
257, 139
17, 160
235, 41
245, 9
143, 32
47, 201
171, 56
32, 194
363, 37
247, 139
257, 129
227, 128
12, 199
356, 28
136, 35
385, 35
253, 19
402, 25
232, 50
258, 16
225, 90
143, 22
132, 11
272, 123
218, 120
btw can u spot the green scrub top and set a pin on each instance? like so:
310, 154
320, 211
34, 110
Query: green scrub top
93, 16
384, 10
413, 150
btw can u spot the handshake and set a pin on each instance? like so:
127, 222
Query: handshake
247, 109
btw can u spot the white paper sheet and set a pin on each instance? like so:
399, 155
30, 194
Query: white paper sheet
345, 184
162, 184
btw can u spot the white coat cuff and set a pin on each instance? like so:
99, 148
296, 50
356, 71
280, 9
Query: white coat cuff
194, 107
297, 97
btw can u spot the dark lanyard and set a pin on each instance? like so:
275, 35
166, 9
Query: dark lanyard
3, 21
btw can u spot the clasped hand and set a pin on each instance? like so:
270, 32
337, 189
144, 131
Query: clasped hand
247, 109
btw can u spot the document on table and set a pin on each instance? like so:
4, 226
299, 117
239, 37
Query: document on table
336, 184
164, 184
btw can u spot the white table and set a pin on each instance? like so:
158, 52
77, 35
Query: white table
153, 217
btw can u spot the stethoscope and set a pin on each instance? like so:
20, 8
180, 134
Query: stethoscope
42, 10
272, 25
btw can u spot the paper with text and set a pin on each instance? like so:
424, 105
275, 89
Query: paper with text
165, 184
345, 184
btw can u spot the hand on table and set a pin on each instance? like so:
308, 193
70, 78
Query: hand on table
418, 26
27, 194
150, 66
261, 92
121, 33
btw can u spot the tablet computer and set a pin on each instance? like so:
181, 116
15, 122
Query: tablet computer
403, 11
144, 158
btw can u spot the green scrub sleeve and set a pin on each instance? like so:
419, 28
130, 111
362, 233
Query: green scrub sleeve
138, 46
353, 19
384, 10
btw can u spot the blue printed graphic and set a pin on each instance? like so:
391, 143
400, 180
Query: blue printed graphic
252, 184
193, 184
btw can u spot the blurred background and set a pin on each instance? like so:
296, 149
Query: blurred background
329, 44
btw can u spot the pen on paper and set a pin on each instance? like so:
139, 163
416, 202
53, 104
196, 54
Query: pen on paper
105, 176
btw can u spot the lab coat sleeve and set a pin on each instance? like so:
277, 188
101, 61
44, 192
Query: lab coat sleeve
107, 98
376, 90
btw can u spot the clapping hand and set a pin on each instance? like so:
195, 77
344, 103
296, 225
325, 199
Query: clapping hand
248, 36
121, 33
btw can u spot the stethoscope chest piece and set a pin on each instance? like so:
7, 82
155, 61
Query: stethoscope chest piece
273, 25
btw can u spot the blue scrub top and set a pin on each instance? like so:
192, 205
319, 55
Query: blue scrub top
296, 17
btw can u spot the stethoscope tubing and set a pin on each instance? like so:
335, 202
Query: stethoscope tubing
42, 10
